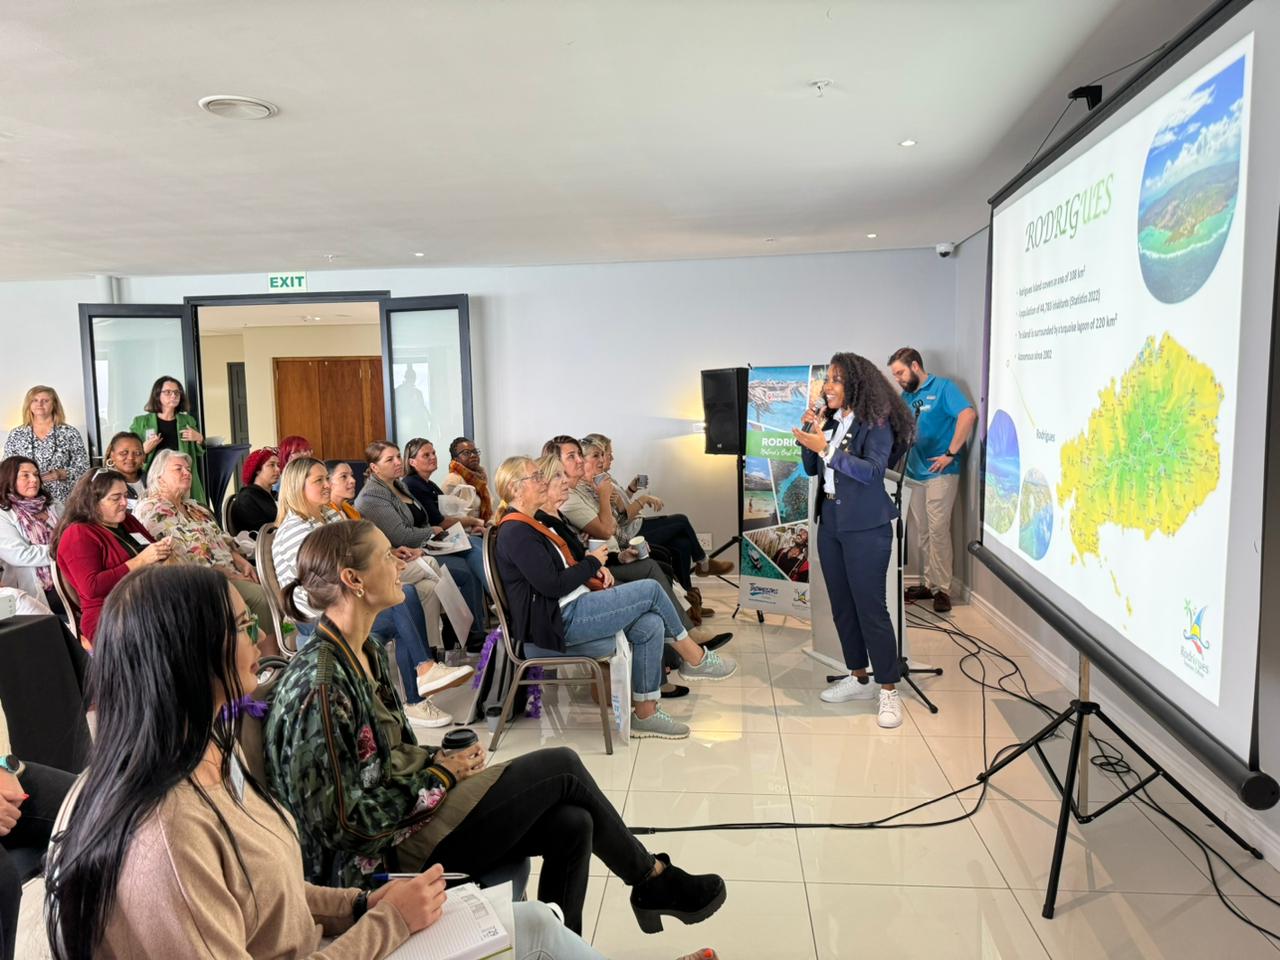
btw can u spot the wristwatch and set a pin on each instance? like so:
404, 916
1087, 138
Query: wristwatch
11, 763
952, 455
360, 906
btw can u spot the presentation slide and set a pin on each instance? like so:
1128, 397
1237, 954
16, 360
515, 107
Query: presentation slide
1116, 308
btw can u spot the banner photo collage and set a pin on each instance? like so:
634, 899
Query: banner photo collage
776, 508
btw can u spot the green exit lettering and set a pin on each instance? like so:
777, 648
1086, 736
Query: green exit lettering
287, 281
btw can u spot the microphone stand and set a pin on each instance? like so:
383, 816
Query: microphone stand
904, 666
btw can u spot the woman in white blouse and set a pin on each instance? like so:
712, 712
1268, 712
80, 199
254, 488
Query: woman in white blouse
28, 516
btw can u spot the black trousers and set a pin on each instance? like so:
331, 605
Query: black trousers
546, 804
677, 535
854, 566
22, 849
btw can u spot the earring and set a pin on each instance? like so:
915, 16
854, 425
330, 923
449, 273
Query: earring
360, 593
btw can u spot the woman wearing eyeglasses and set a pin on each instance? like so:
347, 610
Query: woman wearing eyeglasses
97, 542
465, 471
168, 426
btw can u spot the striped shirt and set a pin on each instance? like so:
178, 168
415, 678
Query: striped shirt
284, 551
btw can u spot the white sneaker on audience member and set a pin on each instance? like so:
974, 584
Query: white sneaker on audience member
890, 709
426, 714
849, 688
434, 677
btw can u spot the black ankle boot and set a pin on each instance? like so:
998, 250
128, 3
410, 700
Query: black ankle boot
690, 898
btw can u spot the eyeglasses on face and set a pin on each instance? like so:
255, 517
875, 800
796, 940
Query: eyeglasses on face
170, 393
249, 624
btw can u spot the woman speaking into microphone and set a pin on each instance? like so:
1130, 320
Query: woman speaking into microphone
848, 442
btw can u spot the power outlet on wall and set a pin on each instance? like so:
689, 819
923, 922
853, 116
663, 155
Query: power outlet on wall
704, 541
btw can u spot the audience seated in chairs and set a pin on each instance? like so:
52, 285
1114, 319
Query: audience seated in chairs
385, 500
420, 462
168, 511
342, 487
305, 494
30, 796
625, 565
28, 517
125, 456
254, 505
368, 798
465, 471
172, 844
97, 542
561, 605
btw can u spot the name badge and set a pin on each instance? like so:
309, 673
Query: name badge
141, 538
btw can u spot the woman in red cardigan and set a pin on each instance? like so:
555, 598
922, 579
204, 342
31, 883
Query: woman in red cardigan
98, 541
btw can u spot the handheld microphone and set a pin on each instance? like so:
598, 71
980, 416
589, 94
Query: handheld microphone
817, 409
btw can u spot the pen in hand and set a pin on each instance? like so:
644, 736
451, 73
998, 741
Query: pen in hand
384, 877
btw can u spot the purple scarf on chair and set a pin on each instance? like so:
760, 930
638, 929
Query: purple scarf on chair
37, 527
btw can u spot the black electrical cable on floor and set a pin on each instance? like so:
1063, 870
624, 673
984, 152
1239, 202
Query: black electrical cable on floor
1108, 759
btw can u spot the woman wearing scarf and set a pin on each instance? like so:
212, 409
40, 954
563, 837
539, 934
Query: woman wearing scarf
28, 515
465, 471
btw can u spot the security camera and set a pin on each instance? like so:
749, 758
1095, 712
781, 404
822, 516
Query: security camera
944, 249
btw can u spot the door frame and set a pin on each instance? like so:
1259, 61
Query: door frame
255, 300
184, 313
459, 302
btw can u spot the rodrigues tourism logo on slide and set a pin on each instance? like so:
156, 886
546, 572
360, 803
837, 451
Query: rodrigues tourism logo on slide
763, 594
800, 596
1189, 186
1195, 644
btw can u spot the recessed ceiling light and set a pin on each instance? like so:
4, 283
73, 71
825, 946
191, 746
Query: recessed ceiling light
907, 142
419, 254
770, 239
231, 107
872, 236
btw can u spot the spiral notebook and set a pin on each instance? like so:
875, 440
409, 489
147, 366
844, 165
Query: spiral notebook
470, 928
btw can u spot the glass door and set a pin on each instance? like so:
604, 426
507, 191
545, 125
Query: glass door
426, 369
126, 347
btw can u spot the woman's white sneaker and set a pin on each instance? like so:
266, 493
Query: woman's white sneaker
849, 688
426, 714
890, 709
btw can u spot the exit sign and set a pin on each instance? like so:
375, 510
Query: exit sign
295, 282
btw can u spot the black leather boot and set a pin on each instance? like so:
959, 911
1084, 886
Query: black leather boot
690, 898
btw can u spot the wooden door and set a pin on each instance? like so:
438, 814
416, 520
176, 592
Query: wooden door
335, 402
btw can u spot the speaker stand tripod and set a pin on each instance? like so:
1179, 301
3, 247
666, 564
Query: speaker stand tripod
736, 541
900, 531
1078, 713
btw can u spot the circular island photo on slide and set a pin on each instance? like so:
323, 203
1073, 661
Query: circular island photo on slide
1035, 526
1003, 474
1189, 186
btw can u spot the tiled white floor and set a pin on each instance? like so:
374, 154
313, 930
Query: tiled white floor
764, 748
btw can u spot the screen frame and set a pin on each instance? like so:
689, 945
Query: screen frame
1257, 789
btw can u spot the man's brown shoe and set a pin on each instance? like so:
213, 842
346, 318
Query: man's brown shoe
918, 592
941, 602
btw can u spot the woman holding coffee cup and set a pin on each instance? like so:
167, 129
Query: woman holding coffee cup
368, 798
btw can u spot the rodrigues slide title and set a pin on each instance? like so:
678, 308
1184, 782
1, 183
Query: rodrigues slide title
1066, 218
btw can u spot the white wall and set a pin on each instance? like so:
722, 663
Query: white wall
215, 353
615, 348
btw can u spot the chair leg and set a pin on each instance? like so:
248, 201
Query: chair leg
507, 702
606, 705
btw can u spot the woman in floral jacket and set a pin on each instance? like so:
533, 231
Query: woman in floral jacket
368, 798
168, 511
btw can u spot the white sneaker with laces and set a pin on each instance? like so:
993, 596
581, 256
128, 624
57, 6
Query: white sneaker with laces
849, 688
434, 677
426, 714
890, 709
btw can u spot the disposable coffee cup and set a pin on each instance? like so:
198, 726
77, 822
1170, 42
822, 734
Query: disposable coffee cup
594, 545
641, 547
458, 741
642, 481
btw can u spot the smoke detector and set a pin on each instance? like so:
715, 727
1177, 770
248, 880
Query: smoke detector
231, 107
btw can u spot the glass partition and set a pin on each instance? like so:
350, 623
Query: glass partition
427, 369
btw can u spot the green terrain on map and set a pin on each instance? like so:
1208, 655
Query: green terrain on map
1149, 455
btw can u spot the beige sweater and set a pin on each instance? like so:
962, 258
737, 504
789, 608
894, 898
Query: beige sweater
182, 893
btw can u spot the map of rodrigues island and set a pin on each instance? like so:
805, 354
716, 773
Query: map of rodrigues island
1149, 455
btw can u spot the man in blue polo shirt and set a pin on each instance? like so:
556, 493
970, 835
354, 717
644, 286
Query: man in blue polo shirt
944, 420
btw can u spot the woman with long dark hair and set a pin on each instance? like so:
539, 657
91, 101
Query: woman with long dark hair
368, 798
28, 517
862, 429
173, 847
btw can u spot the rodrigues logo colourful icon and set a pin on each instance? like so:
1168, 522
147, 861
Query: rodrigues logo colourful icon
1195, 628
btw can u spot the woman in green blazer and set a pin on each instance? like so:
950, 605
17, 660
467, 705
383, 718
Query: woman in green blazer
168, 426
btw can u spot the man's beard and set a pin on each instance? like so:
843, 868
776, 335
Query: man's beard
913, 384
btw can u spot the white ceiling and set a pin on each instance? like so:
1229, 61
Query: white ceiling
223, 321
525, 131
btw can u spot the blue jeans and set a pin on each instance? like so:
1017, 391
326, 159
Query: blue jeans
641, 611
467, 570
539, 935
407, 625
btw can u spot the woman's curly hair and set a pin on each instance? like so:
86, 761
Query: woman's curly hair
872, 399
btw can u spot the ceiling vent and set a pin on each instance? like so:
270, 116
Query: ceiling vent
238, 108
